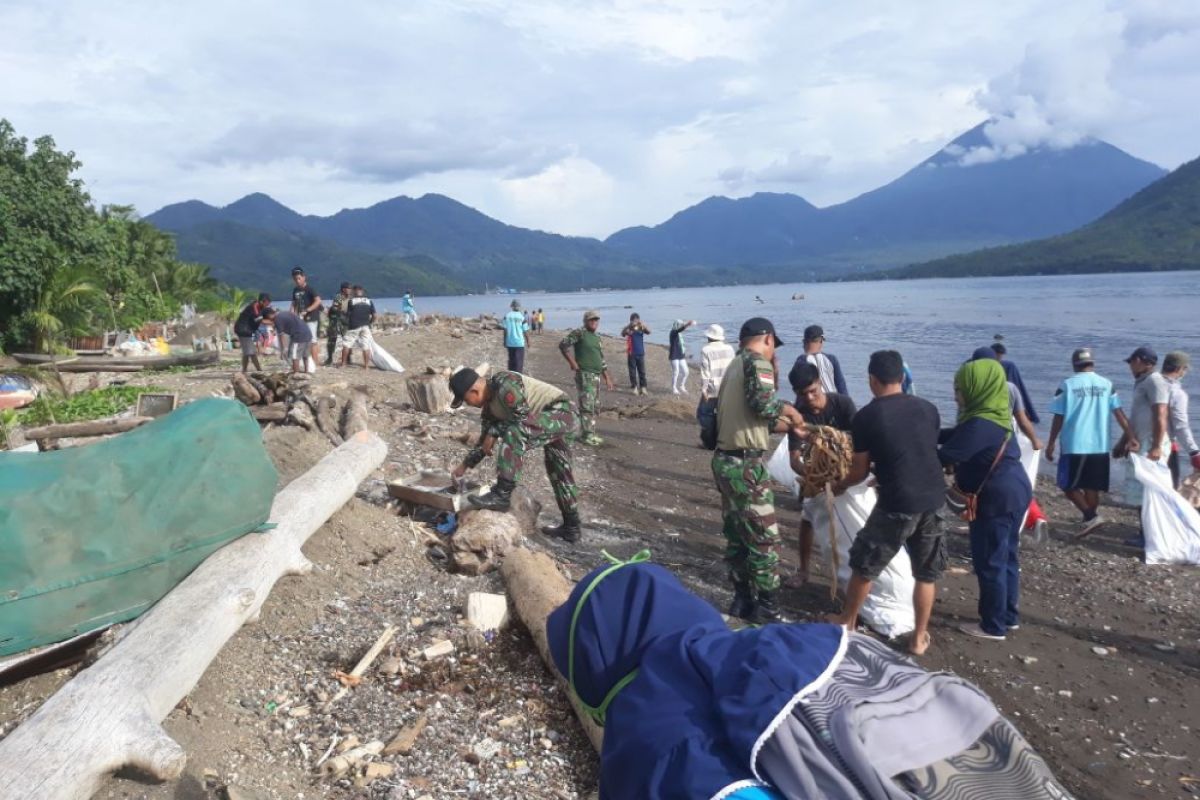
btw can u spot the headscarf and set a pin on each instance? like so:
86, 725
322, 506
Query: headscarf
984, 390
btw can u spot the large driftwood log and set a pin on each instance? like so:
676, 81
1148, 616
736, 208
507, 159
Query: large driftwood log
536, 588
354, 415
99, 427
324, 413
276, 412
429, 393
244, 390
108, 716
485, 537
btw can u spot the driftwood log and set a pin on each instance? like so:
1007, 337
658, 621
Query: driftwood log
484, 538
108, 716
276, 412
354, 415
536, 588
99, 427
244, 390
324, 413
429, 393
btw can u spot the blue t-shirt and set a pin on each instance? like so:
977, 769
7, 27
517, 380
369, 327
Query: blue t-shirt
637, 345
1086, 402
514, 329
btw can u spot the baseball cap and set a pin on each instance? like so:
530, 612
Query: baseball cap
1176, 359
715, 333
297, 271
759, 326
812, 333
591, 313
1145, 354
1082, 356
461, 383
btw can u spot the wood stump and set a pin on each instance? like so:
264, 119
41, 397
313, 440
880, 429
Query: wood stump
484, 538
430, 394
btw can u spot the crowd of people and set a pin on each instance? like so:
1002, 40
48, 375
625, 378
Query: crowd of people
900, 446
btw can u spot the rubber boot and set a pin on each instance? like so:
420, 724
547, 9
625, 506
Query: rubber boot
498, 499
767, 611
743, 604
570, 531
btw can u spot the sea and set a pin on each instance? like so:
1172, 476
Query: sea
934, 323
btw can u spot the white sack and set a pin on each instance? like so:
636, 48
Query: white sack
888, 609
1029, 460
1171, 525
779, 466
384, 360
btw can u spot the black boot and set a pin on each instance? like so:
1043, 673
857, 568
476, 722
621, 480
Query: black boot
767, 611
570, 531
742, 606
498, 499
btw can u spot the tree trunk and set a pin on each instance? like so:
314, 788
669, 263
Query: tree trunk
354, 415
430, 394
99, 427
483, 538
536, 588
324, 414
244, 390
108, 716
276, 412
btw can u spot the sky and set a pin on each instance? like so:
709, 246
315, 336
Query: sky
581, 117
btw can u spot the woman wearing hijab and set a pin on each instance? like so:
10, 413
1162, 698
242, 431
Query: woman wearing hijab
987, 463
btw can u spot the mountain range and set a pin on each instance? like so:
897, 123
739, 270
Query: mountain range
434, 244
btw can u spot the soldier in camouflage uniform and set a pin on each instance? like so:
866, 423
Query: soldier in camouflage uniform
583, 350
335, 326
520, 414
747, 412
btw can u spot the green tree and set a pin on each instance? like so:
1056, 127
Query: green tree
61, 308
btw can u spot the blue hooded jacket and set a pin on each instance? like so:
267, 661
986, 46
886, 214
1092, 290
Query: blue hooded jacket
704, 698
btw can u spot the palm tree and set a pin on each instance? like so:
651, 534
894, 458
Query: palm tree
232, 304
187, 283
60, 308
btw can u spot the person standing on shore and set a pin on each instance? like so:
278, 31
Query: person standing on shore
521, 414
677, 353
360, 313
747, 413
832, 379
635, 334
335, 322
987, 463
714, 361
306, 304
1149, 421
246, 327
1014, 377
584, 351
1175, 367
1081, 409
515, 326
299, 338
896, 434
408, 309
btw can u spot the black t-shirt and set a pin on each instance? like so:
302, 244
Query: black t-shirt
360, 311
900, 431
675, 349
293, 327
302, 298
248, 320
838, 413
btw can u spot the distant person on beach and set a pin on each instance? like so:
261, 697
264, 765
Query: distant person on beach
748, 411
246, 327
1014, 377
360, 313
539, 318
1081, 409
584, 351
818, 407
515, 325
715, 358
300, 342
635, 334
1175, 367
306, 304
335, 322
832, 379
983, 450
408, 309
677, 353
896, 436
1149, 419
521, 414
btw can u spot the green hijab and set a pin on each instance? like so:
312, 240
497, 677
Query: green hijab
984, 390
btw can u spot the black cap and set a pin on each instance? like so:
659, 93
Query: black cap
297, 271
1082, 357
758, 326
812, 333
345, 284
984, 352
999, 349
1145, 354
461, 383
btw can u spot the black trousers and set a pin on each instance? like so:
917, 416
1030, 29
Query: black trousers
516, 359
637, 371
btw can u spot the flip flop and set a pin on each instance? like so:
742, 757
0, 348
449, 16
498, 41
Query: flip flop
926, 641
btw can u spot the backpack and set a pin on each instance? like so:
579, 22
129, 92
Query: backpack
706, 415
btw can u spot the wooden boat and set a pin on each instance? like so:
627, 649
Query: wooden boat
118, 364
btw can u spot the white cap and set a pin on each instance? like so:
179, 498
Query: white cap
716, 333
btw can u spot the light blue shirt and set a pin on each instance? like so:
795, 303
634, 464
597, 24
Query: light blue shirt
1086, 402
406, 304
514, 329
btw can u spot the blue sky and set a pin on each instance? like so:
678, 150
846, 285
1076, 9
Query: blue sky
580, 117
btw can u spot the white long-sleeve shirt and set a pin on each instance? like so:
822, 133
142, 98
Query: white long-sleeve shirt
714, 360
1178, 426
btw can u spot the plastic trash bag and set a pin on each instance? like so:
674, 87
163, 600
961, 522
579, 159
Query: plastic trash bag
1030, 459
1170, 524
384, 360
779, 467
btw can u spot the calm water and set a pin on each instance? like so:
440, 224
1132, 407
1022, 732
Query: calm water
934, 323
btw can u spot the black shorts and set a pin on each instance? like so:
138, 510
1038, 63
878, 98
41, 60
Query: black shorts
886, 532
1083, 471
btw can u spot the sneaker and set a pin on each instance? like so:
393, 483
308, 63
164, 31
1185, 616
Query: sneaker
593, 440
1090, 525
979, 633
1016, 627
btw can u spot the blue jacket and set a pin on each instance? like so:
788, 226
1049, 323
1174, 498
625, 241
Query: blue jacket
702, 698
1014, 377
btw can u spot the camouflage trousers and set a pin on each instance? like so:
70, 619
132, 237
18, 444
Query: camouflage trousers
333, 332
551, 429
588, 384
751, 530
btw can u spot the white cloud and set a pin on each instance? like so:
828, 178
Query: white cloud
572, 189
